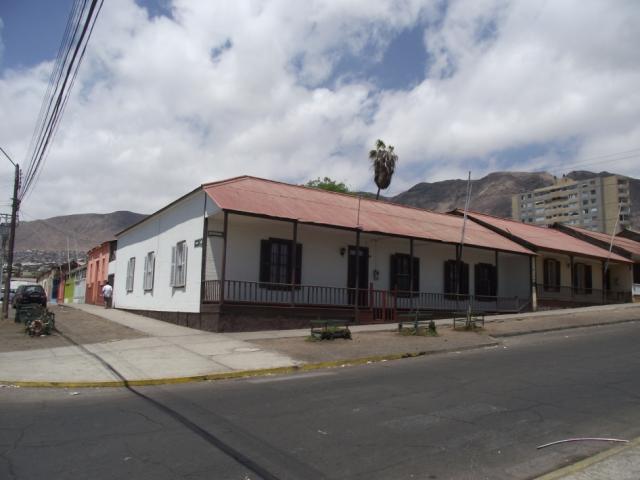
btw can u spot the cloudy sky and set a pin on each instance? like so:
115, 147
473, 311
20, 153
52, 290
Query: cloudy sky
172, 94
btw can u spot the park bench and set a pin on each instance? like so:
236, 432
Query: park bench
414, 319
330, 329
474, 317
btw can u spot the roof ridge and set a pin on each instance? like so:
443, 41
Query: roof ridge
472, 212
329, 192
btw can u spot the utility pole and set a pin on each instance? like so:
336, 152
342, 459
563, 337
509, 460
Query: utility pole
12, 239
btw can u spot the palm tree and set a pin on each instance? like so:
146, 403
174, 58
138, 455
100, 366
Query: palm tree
384, 161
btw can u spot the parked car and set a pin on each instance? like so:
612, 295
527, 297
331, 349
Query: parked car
30, 294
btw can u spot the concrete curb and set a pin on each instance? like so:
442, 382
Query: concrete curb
292, 369
558, 329
588, 462
243, 373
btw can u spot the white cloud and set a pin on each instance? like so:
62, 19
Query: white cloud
230, 88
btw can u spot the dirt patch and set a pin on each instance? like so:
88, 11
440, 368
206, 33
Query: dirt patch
514, 326
373, 344
82, 327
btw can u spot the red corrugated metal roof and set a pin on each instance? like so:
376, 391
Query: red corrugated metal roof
626, 244
310, 205
546, 238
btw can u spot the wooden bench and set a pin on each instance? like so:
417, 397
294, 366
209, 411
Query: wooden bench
473, 316
415, 319
330, 329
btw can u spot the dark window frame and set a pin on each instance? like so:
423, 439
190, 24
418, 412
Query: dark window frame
399, 274
586, 276
450, 275
551, 278
485, 287
276, 261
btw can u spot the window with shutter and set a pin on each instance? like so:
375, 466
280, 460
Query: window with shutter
149, 268
451, 275
172, 277
131, 266
179, 264
582, 278
400, 274
276, 263
485, 280
551, 274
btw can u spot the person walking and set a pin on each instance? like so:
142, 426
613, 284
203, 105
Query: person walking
107, 293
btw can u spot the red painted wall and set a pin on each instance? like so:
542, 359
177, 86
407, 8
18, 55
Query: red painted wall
97, 273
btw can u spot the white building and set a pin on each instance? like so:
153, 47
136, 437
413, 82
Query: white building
221, 258
571, 269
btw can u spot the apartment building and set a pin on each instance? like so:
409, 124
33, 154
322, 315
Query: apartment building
593, 204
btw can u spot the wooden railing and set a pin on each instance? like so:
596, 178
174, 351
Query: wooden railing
582, 295
381, 302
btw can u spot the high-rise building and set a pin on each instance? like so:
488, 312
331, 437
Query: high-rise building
593, 203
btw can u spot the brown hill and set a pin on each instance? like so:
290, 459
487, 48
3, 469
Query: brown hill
83, 231
490, 194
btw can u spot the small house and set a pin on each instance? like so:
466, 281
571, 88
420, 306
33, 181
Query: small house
249, 253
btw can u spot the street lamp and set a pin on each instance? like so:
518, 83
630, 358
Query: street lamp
12, 235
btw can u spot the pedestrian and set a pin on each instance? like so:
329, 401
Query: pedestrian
107, 292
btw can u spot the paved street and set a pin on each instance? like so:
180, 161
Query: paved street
468, 415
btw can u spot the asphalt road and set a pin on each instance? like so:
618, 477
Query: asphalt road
468, 415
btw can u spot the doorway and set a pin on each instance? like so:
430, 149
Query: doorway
363, 273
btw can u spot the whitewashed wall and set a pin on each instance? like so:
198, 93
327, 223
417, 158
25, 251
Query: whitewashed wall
323, 264
565, 269
182, 221
513, 275
621, 277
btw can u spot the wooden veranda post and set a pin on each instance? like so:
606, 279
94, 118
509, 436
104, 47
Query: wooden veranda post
572, 277
294, 262
533, 283
604, 283
411, 285
357, 296
496, 280
223, 270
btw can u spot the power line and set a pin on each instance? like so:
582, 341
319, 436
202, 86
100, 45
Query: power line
72, 49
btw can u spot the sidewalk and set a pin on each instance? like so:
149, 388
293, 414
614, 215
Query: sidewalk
621, 463
160, 352
166, 352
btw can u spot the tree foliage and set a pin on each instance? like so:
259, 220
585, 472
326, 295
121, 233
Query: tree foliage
328, 184
384, 161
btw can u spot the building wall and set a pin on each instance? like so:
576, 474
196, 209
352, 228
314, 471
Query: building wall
591, 203
513, 266
182, 221
97, 273
325, 258
565, 269
615, 197
69, 287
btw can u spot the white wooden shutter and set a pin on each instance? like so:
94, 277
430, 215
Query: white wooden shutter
184, 265
153, 270
146, 273
172, 278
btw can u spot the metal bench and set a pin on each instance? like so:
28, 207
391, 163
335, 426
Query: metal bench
415, 319
474, 317
330, 329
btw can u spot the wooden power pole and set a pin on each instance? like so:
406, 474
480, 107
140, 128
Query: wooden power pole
12, 240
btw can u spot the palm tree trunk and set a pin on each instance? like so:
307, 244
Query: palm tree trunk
378, 194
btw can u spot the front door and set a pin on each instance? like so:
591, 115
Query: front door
363, 273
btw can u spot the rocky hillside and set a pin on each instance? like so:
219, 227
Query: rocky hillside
83, 231
492, 194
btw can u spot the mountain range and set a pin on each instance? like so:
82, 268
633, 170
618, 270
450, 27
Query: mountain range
490, 194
